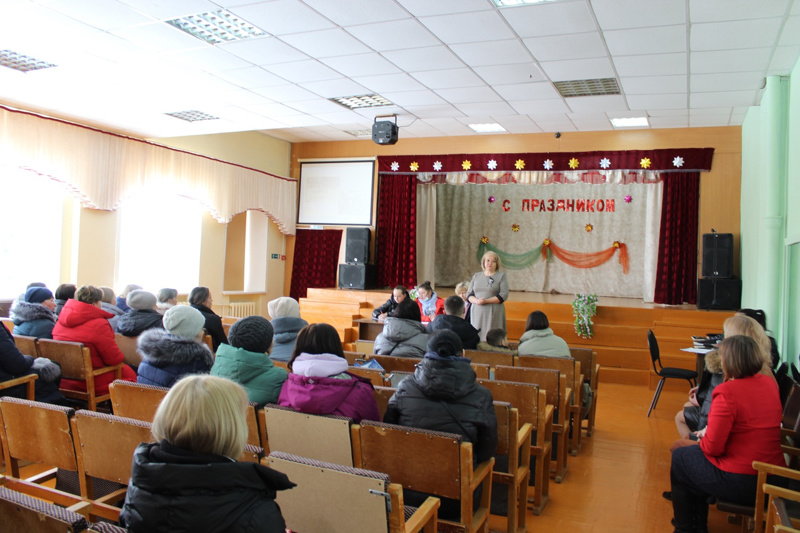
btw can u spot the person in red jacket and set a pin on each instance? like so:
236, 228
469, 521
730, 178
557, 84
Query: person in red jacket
83, 320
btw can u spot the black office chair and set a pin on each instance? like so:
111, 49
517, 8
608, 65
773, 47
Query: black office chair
665, 372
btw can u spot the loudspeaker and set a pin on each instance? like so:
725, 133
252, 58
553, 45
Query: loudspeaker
356, 248
717, 255
359, 276
384, 132
719, 293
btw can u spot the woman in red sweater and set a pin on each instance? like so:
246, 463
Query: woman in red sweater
740, 430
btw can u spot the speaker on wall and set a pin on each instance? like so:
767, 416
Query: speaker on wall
359, 276
719, 293
356, 246
717, 255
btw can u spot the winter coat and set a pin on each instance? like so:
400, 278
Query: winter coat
443, 395
213, 326
388, 307
172, 489
401, 337
15, 364
122, 303
87, 324
138, 321
434, 304
59, 305
468, 334
111, 308
254, 371
543, 342
33, 320
697, 417
340, 393
286, 329
166, 357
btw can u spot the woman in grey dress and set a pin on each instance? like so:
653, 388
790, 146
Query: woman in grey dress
487, 291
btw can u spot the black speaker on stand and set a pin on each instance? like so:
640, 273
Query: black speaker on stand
718, 288
356, 273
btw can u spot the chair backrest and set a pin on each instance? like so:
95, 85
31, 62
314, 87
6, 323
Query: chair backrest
655, 355
74, 358
8, 323
21, 512
492, 359
320, 437
210, 343
565, 365
136, 400
481, 371
502, 411
382, 397
395, 378
127, 345
281, 364
253, 431
791, 411
365, 347
391, 363
252, 454
522, 396
588, 360
352, 356
375, 376
546, 378
26, 345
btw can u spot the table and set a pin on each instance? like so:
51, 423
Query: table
368, 329
701, 359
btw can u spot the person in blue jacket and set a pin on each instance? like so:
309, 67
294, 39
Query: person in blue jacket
34, 314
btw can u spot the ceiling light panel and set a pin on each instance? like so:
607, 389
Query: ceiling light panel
595, 87
363, 101
22, 63
192, 116
487, 128
215, 27
632, 122
516, 3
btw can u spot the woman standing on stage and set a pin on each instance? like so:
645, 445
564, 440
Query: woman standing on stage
487, 291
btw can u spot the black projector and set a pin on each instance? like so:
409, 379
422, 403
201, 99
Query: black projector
384, 132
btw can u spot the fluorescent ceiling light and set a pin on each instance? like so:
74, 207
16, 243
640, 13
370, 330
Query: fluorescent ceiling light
361, 134
362, 101
22, 63
487, 128
216, 27
515, 3
633, 122
192, 116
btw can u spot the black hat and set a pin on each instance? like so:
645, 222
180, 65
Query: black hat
445, 343
253, 334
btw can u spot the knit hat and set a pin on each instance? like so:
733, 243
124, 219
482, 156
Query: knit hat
284, 307
141, 299
445, 343
37, 295
184, 321
253, 334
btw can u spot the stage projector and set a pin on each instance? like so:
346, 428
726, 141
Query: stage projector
384, 132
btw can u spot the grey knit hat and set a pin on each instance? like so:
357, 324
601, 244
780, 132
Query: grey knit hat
283, 307
141, 299
253, 334
184, 321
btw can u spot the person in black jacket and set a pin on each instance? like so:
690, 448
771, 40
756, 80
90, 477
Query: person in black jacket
141, 317
399, 294
453, 309
189, 479
200, 298
15, 364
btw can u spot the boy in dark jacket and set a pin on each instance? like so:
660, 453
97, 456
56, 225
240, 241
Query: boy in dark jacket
453, 309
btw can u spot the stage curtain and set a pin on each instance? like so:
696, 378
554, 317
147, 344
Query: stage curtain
396, 249
676, 275
316, 255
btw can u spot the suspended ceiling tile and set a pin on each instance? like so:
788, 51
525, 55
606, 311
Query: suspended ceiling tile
420, 59
326, 43
729, 60
756, 33
361, 65
527, 91
646, 41
578, 69
159, 37
409, 99
652, 65
335, 88
389, 83
468, 27
468, 95
790, 36
102, 14
354, 12
382, 37
251, 77
725, 10
165, 10
654, 84
505, 52
448, 79
539, 107
211, 59
511, 74
658, 101
286, 93
431, 112
620, 14
303, 71
726, 98
422, 8
736, 81
264, 51
681, 121
585, 104
282, 17
560, 47
489, 109
555, 18
783, 60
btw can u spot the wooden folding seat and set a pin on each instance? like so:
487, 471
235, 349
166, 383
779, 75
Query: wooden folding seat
136, 400
377, 377
572, 370
210, 343
555, 384
281, 364
76, 363
513, 443
252, 454
127, 345
337, 499
492, 359
531, 403
352, 357
382, 397
481, 371
431, 462
26, 345
21, 512
322, 437
365, 347
28, 380
9, 324
392, 363
591, 371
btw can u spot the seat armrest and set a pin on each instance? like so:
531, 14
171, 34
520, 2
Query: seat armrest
106, 369
425, 517
481, 472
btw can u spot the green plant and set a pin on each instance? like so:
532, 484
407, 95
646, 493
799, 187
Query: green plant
584, 307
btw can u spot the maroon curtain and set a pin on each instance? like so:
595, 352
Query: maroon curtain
396, 249
676, 276
316, 254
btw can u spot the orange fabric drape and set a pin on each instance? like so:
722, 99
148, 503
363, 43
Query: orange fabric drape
589, 260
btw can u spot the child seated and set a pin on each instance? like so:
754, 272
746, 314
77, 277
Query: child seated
496, 341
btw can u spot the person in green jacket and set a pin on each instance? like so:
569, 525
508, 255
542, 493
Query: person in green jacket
245, 360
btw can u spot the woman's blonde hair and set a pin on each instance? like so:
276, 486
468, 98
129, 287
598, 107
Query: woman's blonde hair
89, 294
205, 414
744, 325
462, 287
491, 254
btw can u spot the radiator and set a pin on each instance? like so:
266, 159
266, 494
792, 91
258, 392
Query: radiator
239, 309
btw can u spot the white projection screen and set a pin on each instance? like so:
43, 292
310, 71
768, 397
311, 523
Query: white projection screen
336, 192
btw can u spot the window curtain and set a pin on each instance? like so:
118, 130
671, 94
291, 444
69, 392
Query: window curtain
676, 275
396, 250
316, 254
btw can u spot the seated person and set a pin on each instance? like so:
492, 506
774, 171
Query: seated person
167, 298
319, 383
34, 314
64, 292
83, 320
171, 353
109, 299
399, 294
539, 339
429, 303
123, 296
454, 309
694, 415
286, 323
403, 333
461, 291
190, 479
15, 364
142, 315
200, 298
496, 341
761, 317
245, 360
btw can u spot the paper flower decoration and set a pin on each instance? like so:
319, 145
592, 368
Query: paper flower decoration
485, 239
546, 242
492, 164
515, 227
520, 164
645, 162
605, 163
395, 166
491, 199
414, 166
678, 162
588, 228
615, 244
466, 165
437, 166
573, 163
628, 199
548, 164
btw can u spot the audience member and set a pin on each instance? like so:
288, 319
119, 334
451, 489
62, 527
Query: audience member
171, 353
64, 292
200, 298
694, 415
454, 309
430, 304
496, 341
123, 296
142, 315
286, 324
167, 298
245, 360
82, 320
399, 294
761, 317
539, 339
34, 314
461, 292
15, 364
403, 333
487, 291
319, 383
109, 299
740, 324
190, 480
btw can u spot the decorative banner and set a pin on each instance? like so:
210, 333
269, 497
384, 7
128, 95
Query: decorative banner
548, 249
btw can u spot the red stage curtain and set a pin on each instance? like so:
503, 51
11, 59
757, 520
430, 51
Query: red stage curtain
396, 249
316, 255
676, 275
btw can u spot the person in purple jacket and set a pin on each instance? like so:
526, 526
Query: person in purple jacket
318, 381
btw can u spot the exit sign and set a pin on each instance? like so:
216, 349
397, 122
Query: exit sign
276, 256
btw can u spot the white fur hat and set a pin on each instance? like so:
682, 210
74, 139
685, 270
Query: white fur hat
283, 306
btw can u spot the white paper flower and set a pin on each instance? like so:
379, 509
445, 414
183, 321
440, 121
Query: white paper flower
678, 161
492, 164
437, 166
605, 163
395, 166
548, 164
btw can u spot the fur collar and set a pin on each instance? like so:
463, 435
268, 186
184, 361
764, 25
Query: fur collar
23, 311
161, 348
